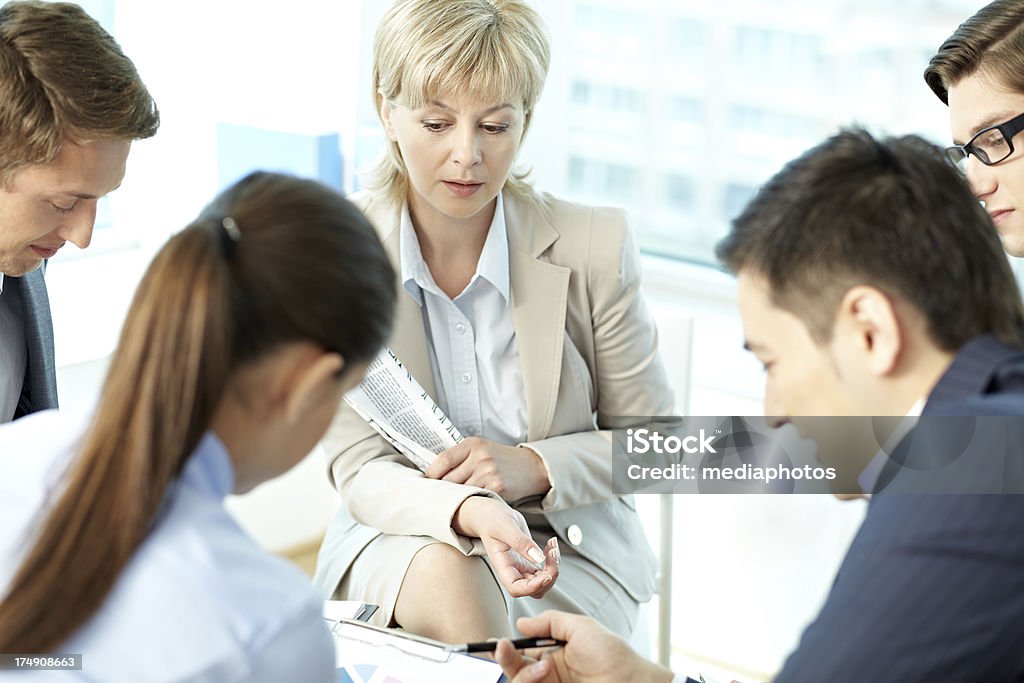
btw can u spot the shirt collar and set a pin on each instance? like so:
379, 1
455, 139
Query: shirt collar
492, 265
1, 283
868, 479
210, 470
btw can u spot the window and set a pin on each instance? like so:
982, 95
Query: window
686, 109
679, 191
723, 93
675, 112
581, 93
735, 197
602, 181
610, 98
621, 181
687, 38
608, 19
744, 118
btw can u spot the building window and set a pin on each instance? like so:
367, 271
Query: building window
680, 192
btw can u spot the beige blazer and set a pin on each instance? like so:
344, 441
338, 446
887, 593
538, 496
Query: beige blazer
589, 353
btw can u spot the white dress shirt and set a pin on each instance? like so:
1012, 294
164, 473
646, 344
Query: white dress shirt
199, 600
868, 478
472, 339
13, 354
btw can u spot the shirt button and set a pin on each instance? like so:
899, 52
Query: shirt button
466, 377
575, 534
460, 328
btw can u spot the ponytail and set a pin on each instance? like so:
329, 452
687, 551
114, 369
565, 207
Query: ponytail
273, 260
164, 383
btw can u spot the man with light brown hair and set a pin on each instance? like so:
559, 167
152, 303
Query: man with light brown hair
71, 103
979, 72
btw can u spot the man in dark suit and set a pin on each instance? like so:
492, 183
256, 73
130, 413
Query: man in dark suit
871, 282
69, 111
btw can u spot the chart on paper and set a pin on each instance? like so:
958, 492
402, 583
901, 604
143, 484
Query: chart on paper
365, 654
365, 673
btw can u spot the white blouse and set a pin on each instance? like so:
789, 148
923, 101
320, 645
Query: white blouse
199, 600
472, 339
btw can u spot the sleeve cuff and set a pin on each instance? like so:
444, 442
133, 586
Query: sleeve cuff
545, 502
467, 544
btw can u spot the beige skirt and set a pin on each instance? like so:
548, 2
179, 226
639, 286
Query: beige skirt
377, 574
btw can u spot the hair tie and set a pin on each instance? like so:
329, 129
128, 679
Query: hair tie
230, 235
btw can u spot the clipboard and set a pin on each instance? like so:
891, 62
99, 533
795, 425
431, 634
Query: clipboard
336, 610
370, 654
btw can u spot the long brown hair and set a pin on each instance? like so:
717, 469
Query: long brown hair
307, 267
62, 77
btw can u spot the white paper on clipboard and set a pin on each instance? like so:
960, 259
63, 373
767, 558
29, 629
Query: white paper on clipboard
367, 654
391, 400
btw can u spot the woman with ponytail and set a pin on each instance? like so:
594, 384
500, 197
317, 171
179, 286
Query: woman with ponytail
243, 336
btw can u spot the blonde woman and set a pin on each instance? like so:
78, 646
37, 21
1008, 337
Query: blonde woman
243, 336
520, 314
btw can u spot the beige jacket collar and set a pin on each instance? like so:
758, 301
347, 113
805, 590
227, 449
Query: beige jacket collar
538, 289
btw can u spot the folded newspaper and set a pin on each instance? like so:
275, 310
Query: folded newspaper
395, 404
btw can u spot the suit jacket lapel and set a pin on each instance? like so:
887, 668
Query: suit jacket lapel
970, 374
40, 390
971, 371
409, 339
539, 291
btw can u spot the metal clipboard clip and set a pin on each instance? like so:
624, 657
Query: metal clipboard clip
399, 643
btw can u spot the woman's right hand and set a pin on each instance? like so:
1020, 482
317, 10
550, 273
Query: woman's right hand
522, 567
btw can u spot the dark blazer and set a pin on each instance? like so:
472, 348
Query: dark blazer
932, 588
39, 391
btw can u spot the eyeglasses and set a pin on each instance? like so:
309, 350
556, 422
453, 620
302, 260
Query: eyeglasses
989, 146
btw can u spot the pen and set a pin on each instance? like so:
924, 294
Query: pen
519, 644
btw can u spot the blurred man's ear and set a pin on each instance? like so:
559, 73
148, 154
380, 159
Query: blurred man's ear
870, 328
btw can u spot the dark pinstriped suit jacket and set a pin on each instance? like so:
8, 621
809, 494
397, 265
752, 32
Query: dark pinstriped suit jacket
39, 391
932, 588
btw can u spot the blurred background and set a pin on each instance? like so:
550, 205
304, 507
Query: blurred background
675, 110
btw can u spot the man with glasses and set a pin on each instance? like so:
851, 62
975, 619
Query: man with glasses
69, 111
977, 73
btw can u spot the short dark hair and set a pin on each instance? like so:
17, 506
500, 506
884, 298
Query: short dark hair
889, 213
992, 39
62, 77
